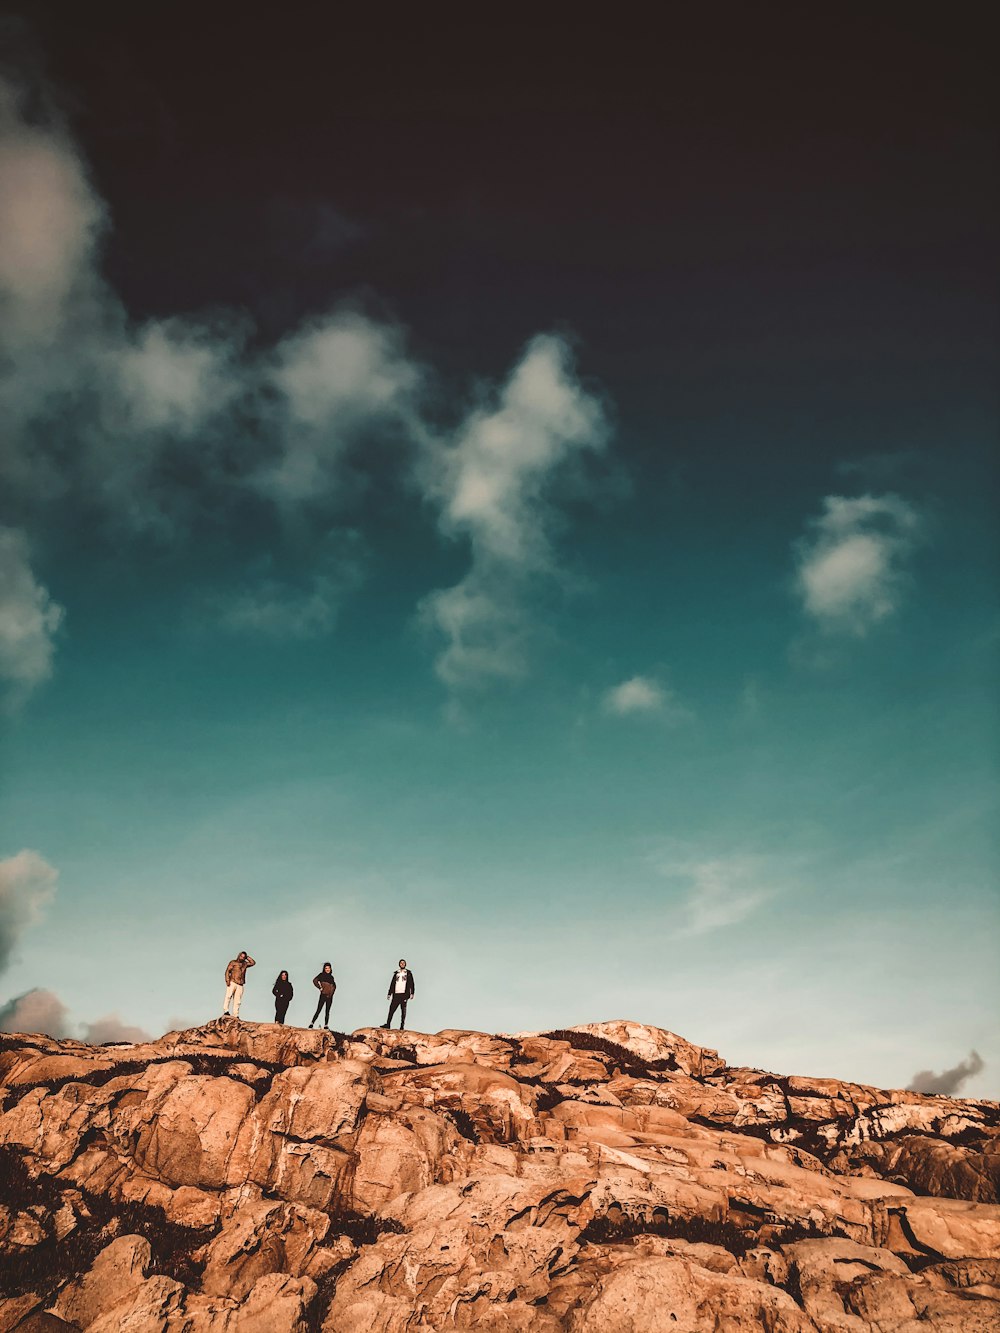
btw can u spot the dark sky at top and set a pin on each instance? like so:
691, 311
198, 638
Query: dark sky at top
720, 201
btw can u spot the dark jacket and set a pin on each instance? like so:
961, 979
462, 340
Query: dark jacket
282, 990
324, 981
411, 990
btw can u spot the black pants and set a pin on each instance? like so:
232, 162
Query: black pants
323, 1000
397, 1001
280, 1010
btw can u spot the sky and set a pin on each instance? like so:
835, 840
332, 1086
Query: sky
518, 498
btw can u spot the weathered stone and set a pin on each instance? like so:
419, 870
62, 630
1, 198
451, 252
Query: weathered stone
283, 1178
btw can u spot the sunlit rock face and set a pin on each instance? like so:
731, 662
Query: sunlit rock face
610, 1178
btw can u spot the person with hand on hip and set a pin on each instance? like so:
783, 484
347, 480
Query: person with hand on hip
401, 989
236, 975
326, 985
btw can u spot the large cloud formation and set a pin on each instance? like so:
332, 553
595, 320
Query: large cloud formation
157, 426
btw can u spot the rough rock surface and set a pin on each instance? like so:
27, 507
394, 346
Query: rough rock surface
610, 1178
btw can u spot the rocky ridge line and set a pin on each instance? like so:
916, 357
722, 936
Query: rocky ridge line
608, 1178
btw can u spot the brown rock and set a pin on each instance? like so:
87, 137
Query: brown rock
246, 1176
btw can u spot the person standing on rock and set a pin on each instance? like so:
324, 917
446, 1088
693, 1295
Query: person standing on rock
325, 984
282, 992
236, 975
401, 989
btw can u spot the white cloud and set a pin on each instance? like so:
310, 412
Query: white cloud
337, 378
36, 1010
27, 883
716, 892
850, 568
644, 695
50, 220
171, 376
492, 482
28, 619
486, 631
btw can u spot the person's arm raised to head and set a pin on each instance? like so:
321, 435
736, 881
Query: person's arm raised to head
251, 962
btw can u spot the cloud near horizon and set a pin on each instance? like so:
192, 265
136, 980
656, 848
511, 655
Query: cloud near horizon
949, 1081
850, 568
37, 1010
41, 1010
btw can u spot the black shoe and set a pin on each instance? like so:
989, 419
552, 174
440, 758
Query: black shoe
310, 1024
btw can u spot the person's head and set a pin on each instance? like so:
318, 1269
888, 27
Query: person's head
402, 962
327, 967
284, 975
242, 954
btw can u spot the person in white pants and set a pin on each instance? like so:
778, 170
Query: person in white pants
236, 975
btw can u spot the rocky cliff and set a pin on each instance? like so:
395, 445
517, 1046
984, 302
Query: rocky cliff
607, 1179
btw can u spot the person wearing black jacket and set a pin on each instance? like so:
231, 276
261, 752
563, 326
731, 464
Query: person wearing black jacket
401, 989
282, 992
325, 984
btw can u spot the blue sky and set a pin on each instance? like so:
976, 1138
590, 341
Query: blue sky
597, 677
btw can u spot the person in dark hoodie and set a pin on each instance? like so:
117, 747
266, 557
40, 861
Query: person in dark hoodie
401, 989
282, 992
325, 984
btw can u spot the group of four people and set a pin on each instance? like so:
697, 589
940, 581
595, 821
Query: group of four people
401, 989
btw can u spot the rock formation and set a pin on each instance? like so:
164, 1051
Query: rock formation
607, 1179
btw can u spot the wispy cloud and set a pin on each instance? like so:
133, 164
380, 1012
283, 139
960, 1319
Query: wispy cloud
27, 883
29, 619
492, 482
712, 893
646, 696
949, 1081
285, 608
850, 567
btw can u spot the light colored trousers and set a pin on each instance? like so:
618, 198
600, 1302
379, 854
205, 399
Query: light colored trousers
234, 992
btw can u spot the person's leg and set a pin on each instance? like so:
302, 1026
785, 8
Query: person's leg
402, 1012
319, 1006
280, 1010
230, 990
328, 1001
393, 1006
237, 1000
